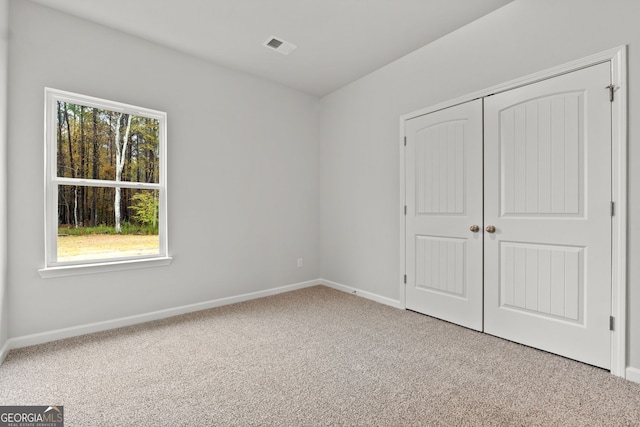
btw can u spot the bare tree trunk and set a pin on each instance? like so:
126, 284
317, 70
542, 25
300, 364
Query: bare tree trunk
62, 218
73, 168
138, 156
75, 206
60, 142
81, 190
96, 162
126, 192
121, 150
67, 214
110, 132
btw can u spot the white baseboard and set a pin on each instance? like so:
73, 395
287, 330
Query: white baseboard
43, 337
361, 293
4, 351
633, 374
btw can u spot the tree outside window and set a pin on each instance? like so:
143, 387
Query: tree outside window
106, 197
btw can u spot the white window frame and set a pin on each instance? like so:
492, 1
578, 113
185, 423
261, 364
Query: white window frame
54, 268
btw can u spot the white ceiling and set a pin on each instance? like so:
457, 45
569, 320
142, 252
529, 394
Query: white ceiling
338, 41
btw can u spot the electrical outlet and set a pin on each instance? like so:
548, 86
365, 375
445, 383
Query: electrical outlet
300, 262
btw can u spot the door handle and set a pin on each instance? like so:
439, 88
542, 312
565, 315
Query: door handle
490, 229
474, 228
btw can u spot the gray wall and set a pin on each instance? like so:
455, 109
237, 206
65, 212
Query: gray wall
242, 173
4, 52
359, 146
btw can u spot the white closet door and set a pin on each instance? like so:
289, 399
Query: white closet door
548, 195
444, 199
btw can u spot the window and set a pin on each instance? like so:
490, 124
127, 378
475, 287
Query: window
105, 176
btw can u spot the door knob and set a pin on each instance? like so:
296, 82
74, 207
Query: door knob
474, 228
491, 229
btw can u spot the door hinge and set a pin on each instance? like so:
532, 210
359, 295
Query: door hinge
612, 90
405, 141
612, 323
405, 279
405, 209
613, 208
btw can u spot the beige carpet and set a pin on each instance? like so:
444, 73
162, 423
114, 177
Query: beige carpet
312, 357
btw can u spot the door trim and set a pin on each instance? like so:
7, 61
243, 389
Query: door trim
618, 59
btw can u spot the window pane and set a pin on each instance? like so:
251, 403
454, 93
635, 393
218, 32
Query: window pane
92, 142
88, 224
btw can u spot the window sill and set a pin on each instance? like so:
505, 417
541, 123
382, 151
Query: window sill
75, 270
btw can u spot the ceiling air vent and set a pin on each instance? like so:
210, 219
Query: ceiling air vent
279, 45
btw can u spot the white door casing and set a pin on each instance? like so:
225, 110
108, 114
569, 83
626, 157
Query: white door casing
548, 194
443, 200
